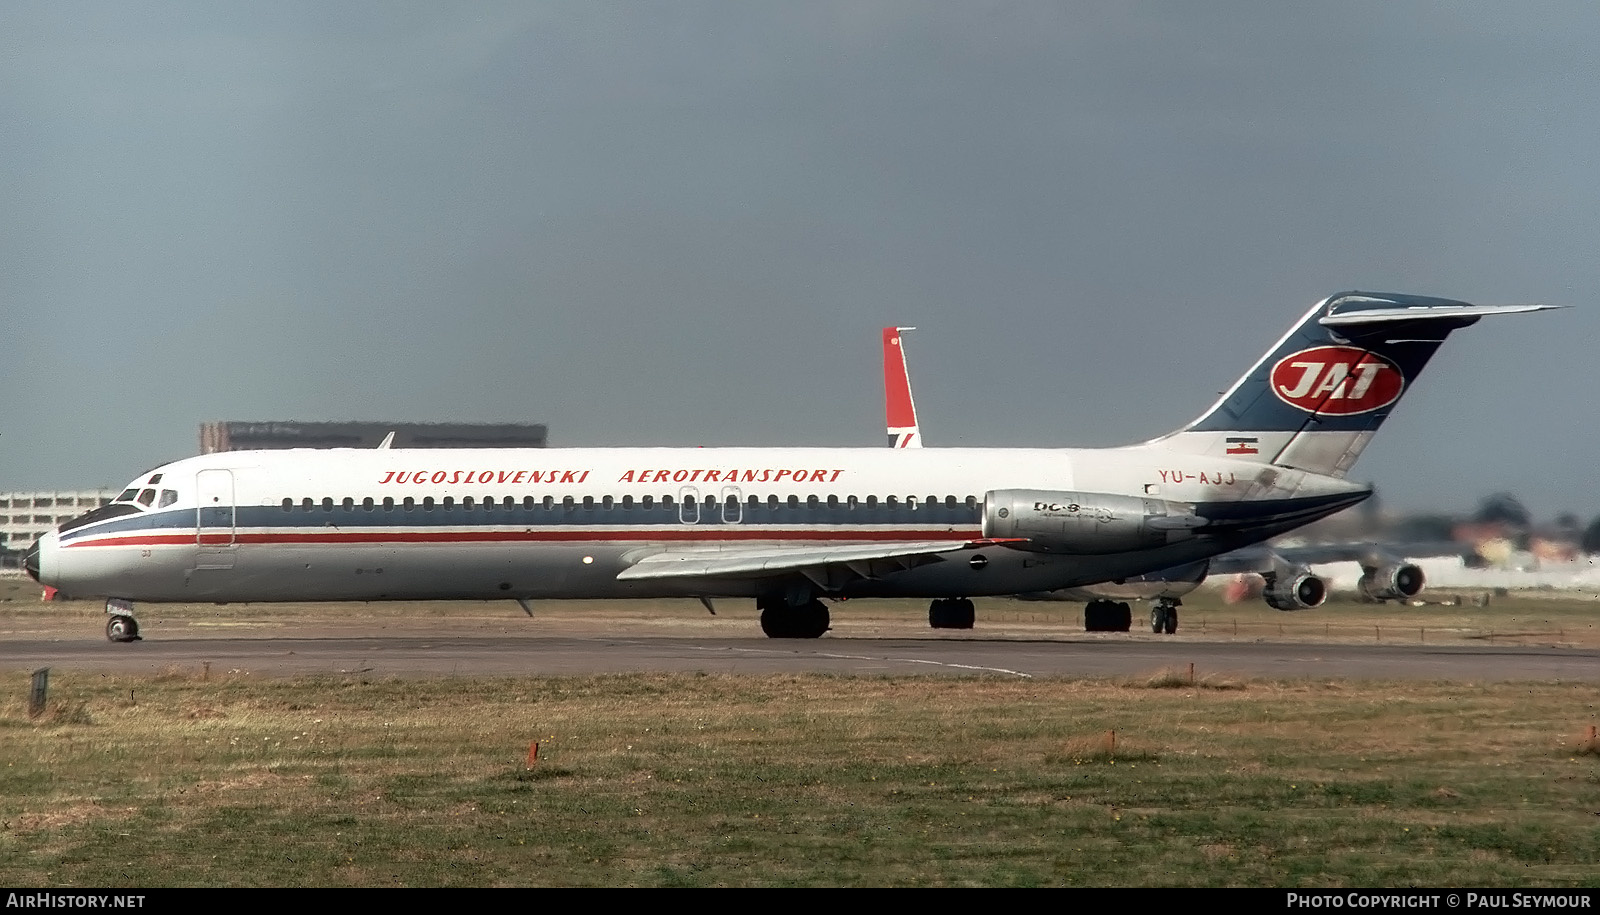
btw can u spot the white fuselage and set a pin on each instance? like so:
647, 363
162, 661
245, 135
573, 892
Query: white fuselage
563, 523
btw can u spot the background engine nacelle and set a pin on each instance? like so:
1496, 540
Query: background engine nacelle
1298, 590
1085, 522
1400, 581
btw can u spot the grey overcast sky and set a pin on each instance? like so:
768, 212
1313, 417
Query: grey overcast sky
683, 223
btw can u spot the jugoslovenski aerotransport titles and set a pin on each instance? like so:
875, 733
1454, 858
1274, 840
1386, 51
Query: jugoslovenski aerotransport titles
787, 527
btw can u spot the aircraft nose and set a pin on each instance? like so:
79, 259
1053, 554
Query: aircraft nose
30, 561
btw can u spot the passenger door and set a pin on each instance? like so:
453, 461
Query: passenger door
215, 534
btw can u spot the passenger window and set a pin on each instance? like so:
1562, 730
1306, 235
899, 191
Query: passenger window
811, 501
549, 502
588, 502
794, 501
648, 501
972, 501
949, 501
527, 502
833, 501
366, 504
511, 503
891, 502
306, 504
566, 502
605, 503
409, 503
147, 497
872, 501
627, 502
349, 504
388, 503
666, 502
427, 503
851, 502
288, 503
467, 503
772, 503
168, 496
449, 503
488, 503
327, 503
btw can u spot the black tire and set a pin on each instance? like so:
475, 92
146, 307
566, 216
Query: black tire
1123, 620
1097, 616
1158, 618
939, 614
1172, 620
122, 629
809, 621
964, 614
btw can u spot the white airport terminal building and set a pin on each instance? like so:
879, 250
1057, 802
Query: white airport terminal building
25, 516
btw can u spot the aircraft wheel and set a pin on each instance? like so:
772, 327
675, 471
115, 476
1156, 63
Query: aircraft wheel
122, 629
1123, 618
939, 614
1100, 616
963, 614
1158, 618
809, 621
1172, 620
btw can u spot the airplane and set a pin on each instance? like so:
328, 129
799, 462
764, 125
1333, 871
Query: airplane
1386, 575
786, 527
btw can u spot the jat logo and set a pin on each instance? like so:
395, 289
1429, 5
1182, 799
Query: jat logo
1336, 380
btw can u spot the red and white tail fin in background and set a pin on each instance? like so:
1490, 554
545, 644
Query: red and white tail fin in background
898, 406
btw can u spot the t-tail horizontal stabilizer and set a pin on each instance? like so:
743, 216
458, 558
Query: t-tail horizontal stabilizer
1316, 398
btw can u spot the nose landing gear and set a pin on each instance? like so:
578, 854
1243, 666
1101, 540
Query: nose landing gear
121, 626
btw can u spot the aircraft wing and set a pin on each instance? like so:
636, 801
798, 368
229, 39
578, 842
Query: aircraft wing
864, 560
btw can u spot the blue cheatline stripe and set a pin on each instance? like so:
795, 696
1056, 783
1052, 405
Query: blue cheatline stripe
276, 518
840, 518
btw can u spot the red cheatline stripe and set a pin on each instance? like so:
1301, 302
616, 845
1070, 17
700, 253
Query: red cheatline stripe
707, 536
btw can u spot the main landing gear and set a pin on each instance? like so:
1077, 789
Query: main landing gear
1164, 615
120, 624
783, 620
951, 613
1107, 616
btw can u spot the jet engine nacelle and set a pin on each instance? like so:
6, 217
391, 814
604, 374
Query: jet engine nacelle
1085, 522
1400, 581
1297, 590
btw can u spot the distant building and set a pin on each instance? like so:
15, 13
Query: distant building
26, 516
250, 436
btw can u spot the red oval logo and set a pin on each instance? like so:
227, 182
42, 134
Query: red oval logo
1336, 380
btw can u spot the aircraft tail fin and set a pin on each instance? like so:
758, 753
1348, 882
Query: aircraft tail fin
1318, 395
899, 408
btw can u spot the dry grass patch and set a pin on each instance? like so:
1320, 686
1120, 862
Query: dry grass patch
1185, 678
793, 780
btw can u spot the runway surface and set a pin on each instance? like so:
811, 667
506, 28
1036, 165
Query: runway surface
534, 654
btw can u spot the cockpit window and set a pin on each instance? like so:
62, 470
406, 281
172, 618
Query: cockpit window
147, 497
128, 495
168, 496
155, 478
